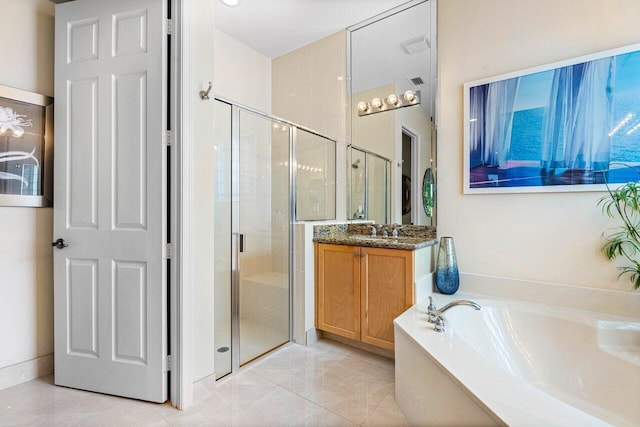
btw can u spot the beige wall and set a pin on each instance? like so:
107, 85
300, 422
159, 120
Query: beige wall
309, 89
26, 271
550, 237
245, 74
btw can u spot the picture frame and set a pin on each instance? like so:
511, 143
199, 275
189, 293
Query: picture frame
26, 148
572, 125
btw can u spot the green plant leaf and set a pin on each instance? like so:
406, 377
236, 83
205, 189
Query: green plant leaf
623, 241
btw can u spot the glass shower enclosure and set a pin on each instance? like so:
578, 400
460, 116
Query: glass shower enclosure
370, 177
254, 204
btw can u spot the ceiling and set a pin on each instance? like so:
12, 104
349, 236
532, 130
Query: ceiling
276, 27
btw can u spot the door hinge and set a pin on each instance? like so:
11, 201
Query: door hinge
168, 361
168, 251
168, 138
169, 27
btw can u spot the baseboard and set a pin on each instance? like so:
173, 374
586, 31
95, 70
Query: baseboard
26, 371
390, 354
312, 336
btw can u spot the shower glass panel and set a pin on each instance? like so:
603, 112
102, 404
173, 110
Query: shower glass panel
378, 197
370, 185
262, 197
222, 242
315, 177
253, 207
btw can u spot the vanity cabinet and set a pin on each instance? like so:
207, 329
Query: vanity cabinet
360, 290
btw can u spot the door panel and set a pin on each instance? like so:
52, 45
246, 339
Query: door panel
82, 153
387, 291
110, 283
263, 221
338, 287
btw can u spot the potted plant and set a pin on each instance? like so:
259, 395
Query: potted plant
624, 240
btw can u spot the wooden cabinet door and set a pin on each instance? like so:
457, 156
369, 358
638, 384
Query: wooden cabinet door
338, 290
387, 291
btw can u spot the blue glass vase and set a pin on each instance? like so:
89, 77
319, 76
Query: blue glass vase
447, 276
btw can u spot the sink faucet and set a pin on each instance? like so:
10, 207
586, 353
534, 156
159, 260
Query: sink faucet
384, 230
373, 229
435, 315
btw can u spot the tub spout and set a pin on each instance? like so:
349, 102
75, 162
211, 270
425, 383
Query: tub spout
436, 315
439, 312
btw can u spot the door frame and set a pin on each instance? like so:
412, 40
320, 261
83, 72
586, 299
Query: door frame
190, 73
180, 290
416, 182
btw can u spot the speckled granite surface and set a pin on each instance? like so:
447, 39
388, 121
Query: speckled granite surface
410, 237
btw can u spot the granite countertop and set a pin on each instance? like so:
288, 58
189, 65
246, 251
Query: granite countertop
410, 237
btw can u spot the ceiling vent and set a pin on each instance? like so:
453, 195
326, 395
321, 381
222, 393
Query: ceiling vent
416, 81
416, 45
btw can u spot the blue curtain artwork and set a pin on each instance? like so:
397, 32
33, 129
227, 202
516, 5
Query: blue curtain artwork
570, 125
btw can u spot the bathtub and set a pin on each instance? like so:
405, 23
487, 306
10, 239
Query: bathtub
518, 363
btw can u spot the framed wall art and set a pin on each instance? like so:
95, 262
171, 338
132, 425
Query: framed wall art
26, 149
572, 125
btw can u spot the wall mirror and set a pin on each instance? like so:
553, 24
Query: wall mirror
370, 175
392, 63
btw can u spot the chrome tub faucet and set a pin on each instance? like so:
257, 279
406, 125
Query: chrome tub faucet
435, 315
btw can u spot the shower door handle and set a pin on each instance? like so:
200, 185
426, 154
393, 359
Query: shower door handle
241, 242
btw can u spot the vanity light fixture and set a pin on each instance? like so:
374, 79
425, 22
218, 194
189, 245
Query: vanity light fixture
409, 96
391, 102
363, 107
280, 127
377, 103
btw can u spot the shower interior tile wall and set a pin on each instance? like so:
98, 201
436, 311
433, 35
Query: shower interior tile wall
309, 86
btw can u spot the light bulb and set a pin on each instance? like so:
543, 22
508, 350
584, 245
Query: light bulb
363, 106
230, 2
409, 96
376, 103
393, 99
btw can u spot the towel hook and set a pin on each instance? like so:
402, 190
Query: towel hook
204, 94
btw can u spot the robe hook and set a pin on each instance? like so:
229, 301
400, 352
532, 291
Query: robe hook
204, 94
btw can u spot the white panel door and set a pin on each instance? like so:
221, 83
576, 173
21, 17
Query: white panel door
110, 201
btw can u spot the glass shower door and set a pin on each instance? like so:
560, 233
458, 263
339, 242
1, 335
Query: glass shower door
378, 194
261, 222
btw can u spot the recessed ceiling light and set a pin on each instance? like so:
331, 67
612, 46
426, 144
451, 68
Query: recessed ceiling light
230, 2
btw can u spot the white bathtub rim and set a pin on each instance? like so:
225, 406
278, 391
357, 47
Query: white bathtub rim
518, 403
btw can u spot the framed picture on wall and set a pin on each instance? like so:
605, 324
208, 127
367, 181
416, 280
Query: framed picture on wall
572, 125
26, 152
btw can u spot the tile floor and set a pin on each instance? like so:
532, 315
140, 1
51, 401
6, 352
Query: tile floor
326, 384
